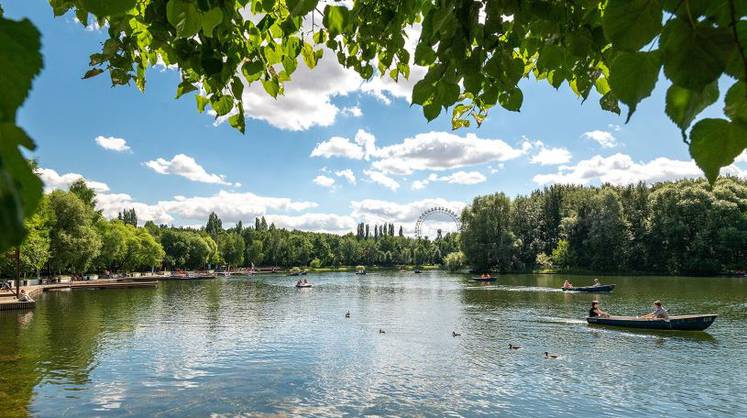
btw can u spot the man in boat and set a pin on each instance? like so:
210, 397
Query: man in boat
567, 285
658, 313
596, 282
596, 312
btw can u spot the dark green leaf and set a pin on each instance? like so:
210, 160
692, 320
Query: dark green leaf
431, 111
336, 19
93, 72
184, 88
421, 92
21, 62
683, 104
714, 143
107, 8
210, 20
736, 103
511, 99
610, 103
631, 24
184, 16
301, 7
633, 76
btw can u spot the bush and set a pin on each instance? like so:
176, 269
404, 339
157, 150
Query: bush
315, 263
454, 261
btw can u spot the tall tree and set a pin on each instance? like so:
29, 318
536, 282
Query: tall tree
214, 225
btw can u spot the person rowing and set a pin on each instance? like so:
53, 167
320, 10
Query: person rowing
596, 282
658, 313
595, 311
567, 285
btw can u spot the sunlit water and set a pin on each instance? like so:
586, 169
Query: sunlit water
259, 346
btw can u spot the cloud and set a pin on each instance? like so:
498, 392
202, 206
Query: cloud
187, 167
317, 222
382, 179
460, 177
550, 156
361, 147
324, 181
443, 151
53, 180
347, 174
112, 144
111, 204
353, 111
620, 169
603, 138
741, 158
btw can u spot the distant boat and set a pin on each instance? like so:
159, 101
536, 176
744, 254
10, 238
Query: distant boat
360, 270
675, 323
484, 279
593, 289
299, 285
418, 271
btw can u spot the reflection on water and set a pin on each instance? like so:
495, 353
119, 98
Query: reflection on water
260, 346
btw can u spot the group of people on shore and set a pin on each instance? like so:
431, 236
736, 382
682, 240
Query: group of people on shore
658, 313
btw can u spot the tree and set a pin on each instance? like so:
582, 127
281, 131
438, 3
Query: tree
84, 193
214, 225
454, 261
74, 242
487, 241
232, 248
34, 252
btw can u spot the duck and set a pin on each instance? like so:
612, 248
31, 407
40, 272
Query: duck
549, 356
455, 334
381, 331
513, 347
347, 315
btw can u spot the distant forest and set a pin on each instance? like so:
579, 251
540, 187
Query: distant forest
683, 227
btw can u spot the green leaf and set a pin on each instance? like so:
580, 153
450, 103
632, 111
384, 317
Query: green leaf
715, 143
610, 103
272, 87
93, 72
21, 62
735, 103
210, 20
511, 99
20, 188
421, 92
633, 76
424, 54
684, 104
308, 55
431, 111
336, 19
184, 16
447, 92
107, 8
301, 7
695, 57
184, 88
238, 121
221, 104
631, 24
253, 70
202, 101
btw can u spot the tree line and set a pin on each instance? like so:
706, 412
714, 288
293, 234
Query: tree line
683, 227
67, 235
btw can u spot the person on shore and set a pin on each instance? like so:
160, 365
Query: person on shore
596, 282
24, 297
658, 313
567, 285
595, 311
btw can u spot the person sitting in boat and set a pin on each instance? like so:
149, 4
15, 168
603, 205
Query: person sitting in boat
567, 285
299, 282
658, 313
305, 282
596, 282
595, 311
24, 297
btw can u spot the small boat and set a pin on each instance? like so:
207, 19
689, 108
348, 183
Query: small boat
303, 285
675, 323
360, 270
593, 289
418, 271
484, 279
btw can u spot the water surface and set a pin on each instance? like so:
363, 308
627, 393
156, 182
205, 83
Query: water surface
259, 346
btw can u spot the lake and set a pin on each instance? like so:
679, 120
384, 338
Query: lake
259, 346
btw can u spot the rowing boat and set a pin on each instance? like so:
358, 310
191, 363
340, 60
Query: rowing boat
601, 288
675, 323
303, 285
484, 279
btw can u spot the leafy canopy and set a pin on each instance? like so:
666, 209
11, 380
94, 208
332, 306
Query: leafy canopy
476, 53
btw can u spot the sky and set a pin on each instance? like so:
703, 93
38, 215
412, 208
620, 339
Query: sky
332, 152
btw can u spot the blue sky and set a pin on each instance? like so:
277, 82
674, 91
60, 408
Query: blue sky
174, 165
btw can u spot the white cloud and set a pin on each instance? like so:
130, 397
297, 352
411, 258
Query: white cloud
317, 222
112, 144
443, 151
419, 184
186, 166
550, 156
111, 204
460, 177
353, 111
603, 138
53, 180
347, 174
620, 169
382, 179
362, 147
324, 181
741, 158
